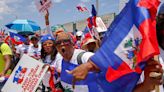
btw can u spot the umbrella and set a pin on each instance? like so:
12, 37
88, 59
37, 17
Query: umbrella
23, 26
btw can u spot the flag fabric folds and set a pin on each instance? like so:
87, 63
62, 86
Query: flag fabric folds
128, 43
87, 85
94, 12
86, 30
17, 37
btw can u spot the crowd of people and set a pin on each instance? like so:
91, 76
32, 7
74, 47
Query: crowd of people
63, 51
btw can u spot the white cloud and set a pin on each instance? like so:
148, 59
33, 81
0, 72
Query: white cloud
58, 1
4, 6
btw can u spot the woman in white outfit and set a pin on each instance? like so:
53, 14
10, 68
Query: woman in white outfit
50, 57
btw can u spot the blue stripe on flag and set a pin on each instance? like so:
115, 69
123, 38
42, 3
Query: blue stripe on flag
91, 79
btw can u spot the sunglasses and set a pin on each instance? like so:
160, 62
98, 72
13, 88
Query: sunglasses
65, 42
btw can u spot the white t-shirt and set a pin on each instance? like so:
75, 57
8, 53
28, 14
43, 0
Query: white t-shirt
56, 63
22, 49
85, 57
35, 52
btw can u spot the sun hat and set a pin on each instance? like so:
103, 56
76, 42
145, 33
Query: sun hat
88, 40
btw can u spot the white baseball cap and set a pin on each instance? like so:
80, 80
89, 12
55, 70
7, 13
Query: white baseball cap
79, 33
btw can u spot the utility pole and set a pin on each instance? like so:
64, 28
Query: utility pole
97, 6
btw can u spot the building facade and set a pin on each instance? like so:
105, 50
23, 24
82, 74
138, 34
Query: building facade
80, 25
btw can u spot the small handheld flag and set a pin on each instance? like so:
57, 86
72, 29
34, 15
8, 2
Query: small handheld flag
81, 8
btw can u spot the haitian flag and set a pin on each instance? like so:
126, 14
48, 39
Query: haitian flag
92, 20
17, 37
86, 30
81, 8
128, 43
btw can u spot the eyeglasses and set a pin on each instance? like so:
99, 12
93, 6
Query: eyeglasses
65, 42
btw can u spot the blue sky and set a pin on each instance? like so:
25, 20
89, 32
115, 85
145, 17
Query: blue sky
62, 11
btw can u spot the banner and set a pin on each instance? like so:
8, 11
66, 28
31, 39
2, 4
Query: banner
26, 76
43, 5
100, 25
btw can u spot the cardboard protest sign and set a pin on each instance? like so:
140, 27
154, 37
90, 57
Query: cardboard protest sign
100, 25
43, 5
26, 76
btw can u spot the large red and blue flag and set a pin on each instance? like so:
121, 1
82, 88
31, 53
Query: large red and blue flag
128, 43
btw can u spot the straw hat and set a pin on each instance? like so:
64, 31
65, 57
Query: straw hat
89, 40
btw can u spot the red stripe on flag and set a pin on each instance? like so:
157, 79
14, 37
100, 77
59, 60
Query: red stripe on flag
94, 21
151, 5
149, 45
122, 70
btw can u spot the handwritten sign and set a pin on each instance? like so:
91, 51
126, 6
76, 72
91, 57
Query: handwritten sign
43, 5
100, 25
26, 76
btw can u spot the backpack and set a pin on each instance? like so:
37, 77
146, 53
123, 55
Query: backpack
13, 60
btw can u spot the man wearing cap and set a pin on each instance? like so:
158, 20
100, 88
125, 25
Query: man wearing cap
35, 48
23, 48
90, 44
65, 47
79, 39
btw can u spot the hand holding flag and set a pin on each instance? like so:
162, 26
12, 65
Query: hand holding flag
150, 81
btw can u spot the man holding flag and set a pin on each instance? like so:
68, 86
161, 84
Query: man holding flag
122, 58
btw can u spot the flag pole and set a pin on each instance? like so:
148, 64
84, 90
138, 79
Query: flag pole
156, 58
97, 6
155, 74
